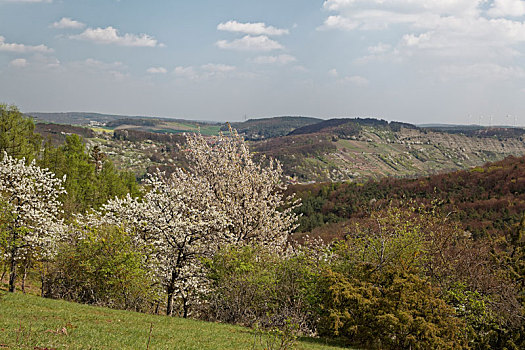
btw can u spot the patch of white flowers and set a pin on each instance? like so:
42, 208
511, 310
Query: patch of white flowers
248, 193
30, 208
174, 224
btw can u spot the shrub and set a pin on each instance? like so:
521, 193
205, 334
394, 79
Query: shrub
387, 310
482, 325
251, 285
102, 268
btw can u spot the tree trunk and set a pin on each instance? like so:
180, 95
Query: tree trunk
42, 281
171, 297
3, 273
185, 306
171, 293
12, 267
24, 276
12, 275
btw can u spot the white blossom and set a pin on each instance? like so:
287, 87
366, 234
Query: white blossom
31, 208
248, 193
175, 224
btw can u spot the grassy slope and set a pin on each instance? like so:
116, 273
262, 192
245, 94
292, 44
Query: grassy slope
30, 322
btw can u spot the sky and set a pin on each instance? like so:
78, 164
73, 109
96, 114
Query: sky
417, 61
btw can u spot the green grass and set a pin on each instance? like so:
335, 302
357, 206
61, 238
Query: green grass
30, 322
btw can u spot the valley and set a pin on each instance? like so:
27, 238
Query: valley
311, 150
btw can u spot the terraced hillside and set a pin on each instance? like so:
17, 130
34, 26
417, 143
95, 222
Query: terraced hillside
375, 152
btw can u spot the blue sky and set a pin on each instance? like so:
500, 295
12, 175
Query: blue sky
419, 61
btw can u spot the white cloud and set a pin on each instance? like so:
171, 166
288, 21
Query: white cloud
110, 35
157, 70
37, 62
451, 29
116, 70
442, 7
333, 73
335, 5
66, 23
251, 28
380, 14
421, 40
380, 48
93, 63
21, 48
18, 63
206, 71
339, 22
356, 80
250, 43
279, 59
510, 8
185, 72
217, 68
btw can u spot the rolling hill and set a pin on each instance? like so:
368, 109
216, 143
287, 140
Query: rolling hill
265, 128
358, 149
311, 150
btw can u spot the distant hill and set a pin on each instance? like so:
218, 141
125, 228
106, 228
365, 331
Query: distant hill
76, 118
57, 132
310, 149
346, 127
357, 149
480, 131
265, 128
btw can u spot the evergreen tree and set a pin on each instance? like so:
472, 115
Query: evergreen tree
17, 137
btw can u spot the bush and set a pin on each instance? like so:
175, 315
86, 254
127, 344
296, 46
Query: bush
101, 268
387, 310
482, 326
250, 285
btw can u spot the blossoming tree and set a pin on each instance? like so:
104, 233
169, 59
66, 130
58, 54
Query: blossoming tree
248, 193
30, 209
224, 198
175, 223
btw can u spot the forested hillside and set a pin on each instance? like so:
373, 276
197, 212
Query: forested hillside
487, 200
265, 128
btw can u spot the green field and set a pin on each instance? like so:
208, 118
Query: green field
30, 322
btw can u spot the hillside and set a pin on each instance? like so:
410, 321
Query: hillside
58, 132
30, 322
75, 118
265, 128
488, 200
355, 151
312, 150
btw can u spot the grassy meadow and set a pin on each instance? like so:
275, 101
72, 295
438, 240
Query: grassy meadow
31, 322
